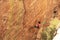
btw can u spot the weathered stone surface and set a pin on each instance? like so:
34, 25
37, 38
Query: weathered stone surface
11, 19
18, 17
38, 10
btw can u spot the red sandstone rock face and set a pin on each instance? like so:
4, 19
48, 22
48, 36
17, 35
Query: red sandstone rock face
11, 19
18, 18
38, 10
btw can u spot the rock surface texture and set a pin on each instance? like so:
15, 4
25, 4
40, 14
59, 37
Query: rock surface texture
18, 17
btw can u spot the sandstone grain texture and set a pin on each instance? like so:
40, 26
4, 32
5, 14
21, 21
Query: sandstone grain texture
18, 17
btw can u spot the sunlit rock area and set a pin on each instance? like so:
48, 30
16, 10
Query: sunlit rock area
29, 19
